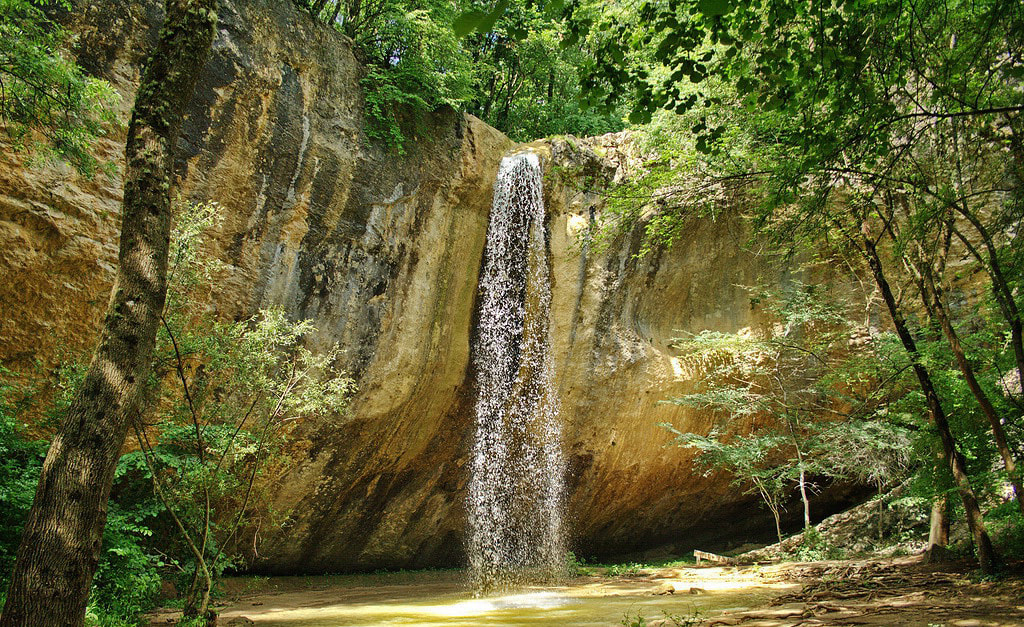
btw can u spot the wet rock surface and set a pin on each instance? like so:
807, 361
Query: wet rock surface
383, 252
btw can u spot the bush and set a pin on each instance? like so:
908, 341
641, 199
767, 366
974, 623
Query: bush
21, 459
1007, 527
814, 548
127, 581
624, 570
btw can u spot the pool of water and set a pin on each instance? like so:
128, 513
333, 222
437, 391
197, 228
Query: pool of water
442, 599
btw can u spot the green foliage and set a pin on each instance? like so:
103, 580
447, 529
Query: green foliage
814, 548
1007, 527
127, 581
224, 398
527, 79
416, 65
574, 567
752, 460
812, 404
637, 619
21, 460
47, 103
845, 69
508, 63
629, 569
633, 620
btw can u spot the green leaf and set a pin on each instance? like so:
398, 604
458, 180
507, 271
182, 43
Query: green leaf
639, 116
554, 7
712, 8
467, 22
487, 24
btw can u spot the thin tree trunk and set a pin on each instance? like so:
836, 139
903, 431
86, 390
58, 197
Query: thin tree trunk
881, 510
986, 553
937, 309
803, 497
192, 608
770, 502
802, 482
60, 545
1001, 289
803, 474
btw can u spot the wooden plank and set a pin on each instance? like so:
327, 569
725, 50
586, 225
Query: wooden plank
711, 557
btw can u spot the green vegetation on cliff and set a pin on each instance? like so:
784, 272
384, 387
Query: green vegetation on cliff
48, 105
519, 75
880, 136
880, 142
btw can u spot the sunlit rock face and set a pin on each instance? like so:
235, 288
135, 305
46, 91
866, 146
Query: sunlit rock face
383, 252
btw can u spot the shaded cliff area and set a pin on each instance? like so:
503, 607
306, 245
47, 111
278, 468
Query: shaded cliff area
383, 253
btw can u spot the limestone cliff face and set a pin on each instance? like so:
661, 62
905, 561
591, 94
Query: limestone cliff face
383, 252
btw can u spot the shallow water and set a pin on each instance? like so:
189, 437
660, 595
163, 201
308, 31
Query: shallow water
443, 599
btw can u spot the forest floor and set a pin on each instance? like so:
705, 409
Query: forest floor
882, 591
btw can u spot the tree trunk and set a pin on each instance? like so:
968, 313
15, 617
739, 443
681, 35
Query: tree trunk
986, 554
772, 505
803, 497
936, 308
1001, 288
803, 473
938, 531
60, 546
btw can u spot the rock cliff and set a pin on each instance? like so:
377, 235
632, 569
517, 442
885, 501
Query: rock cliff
383, 252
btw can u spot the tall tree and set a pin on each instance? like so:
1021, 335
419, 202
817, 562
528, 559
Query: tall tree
832, 107
61, 542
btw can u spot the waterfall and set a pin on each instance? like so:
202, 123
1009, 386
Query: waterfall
516, 489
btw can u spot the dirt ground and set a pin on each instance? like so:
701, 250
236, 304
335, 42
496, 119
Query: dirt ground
893, 591
878, 591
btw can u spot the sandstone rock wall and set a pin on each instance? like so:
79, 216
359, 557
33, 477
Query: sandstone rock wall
382, 252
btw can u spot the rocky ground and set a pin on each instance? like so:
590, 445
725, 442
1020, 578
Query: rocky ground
881, 591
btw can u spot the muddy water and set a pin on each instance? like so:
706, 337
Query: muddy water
443, 599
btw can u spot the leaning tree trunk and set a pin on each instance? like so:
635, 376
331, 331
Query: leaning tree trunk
986, 553
936, 308
60, 546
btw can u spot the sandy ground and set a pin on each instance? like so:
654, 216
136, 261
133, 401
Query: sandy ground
890, 591
894, 591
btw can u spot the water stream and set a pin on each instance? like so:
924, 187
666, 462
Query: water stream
516, 492
441, 599
516, 488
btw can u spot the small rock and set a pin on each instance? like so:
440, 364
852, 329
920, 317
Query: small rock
698, 591
665, 588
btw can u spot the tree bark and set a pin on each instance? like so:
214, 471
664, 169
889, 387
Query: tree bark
938, 532
60, 546
986, 553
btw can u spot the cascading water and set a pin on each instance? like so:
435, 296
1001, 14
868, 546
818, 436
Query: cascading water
516, 489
